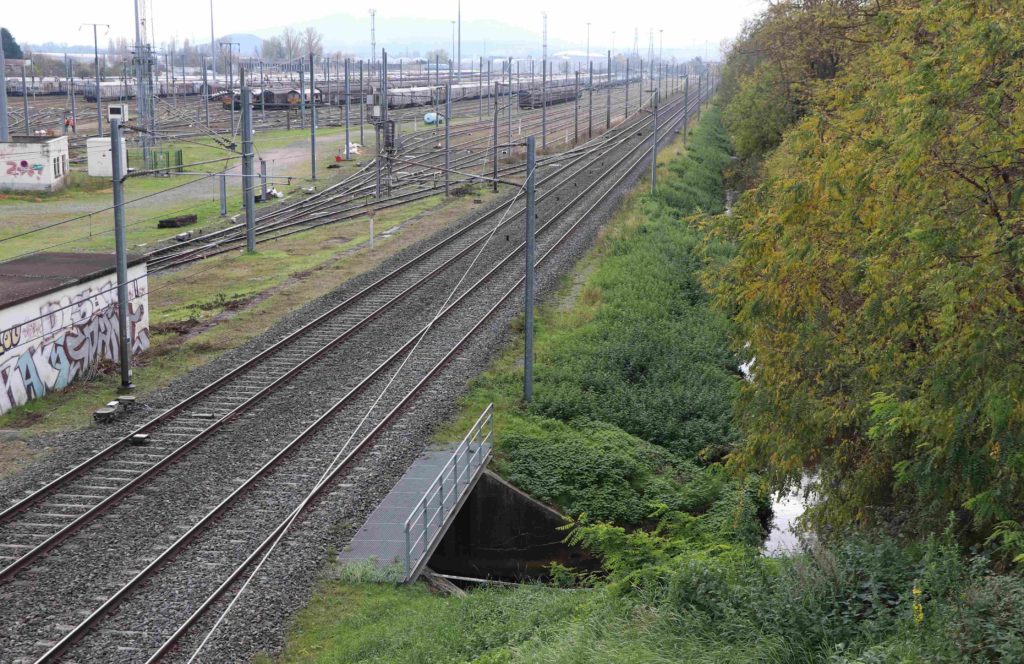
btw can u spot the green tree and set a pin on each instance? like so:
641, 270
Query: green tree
10, 45
879, 281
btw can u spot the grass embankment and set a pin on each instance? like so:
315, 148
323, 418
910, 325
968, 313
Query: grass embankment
633, 412
84, 204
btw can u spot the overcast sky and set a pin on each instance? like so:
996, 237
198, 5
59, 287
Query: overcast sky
685, 22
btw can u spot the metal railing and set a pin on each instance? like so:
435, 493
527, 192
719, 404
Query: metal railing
427, 519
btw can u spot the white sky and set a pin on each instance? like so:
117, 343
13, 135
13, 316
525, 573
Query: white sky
685, 22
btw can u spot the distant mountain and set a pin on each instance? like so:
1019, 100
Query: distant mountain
250, 44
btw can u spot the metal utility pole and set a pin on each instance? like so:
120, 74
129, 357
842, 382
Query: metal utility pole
510, 105
96, 63
302, 93
494, 137
480, 91
373, 38
576, 109
206, 92
447, 132
24, 100
588, 41
362, 103
544, 103
590, 111
231, 81
263, 94
312, 118
213, 49
625, 106
458, 51
71, 90
5, 130
247, 170
608, 108
686, 109
531, 231
654, 143
348, 102
223, 194
121, 247
489, 87
545, 45
700, 101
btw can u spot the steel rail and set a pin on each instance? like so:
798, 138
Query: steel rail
97, 509
68, 639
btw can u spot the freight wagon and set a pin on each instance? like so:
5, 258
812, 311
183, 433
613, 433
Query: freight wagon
109, 90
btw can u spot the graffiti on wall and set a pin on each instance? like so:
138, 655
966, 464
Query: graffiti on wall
20, 168
64, 337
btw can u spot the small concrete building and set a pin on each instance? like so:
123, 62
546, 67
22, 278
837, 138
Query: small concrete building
34, 163
58, 320
99, 157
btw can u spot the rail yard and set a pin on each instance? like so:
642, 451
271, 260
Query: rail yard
190, 521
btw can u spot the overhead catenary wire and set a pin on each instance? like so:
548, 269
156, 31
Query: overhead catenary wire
330, 468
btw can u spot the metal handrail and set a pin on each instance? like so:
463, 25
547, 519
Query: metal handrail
448, 484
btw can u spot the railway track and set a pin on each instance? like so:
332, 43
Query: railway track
202, 562
339, 202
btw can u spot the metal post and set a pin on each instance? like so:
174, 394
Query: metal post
312, 118
362, 103
247, 170
302, 94
590, 111
654, 144
510, 105
447, 131
5, 130
263, 94
576, 109
640, 100
348, 102
686, 109
625, 106
544, 105
121, 246
71, 89
96, 63
489, 87
231, 89
458, 51
700, 101
206, 93
480, 91
531, 178
223, 195
494, 146
263, 180
213, 48
608, 109
24, 99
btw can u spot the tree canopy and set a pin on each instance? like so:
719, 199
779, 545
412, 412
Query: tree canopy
878, 281
10, 45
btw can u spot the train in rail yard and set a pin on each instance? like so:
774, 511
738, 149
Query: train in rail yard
274, 98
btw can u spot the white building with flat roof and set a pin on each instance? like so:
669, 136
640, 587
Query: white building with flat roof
34, 163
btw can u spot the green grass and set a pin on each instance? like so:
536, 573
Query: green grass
203, 310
